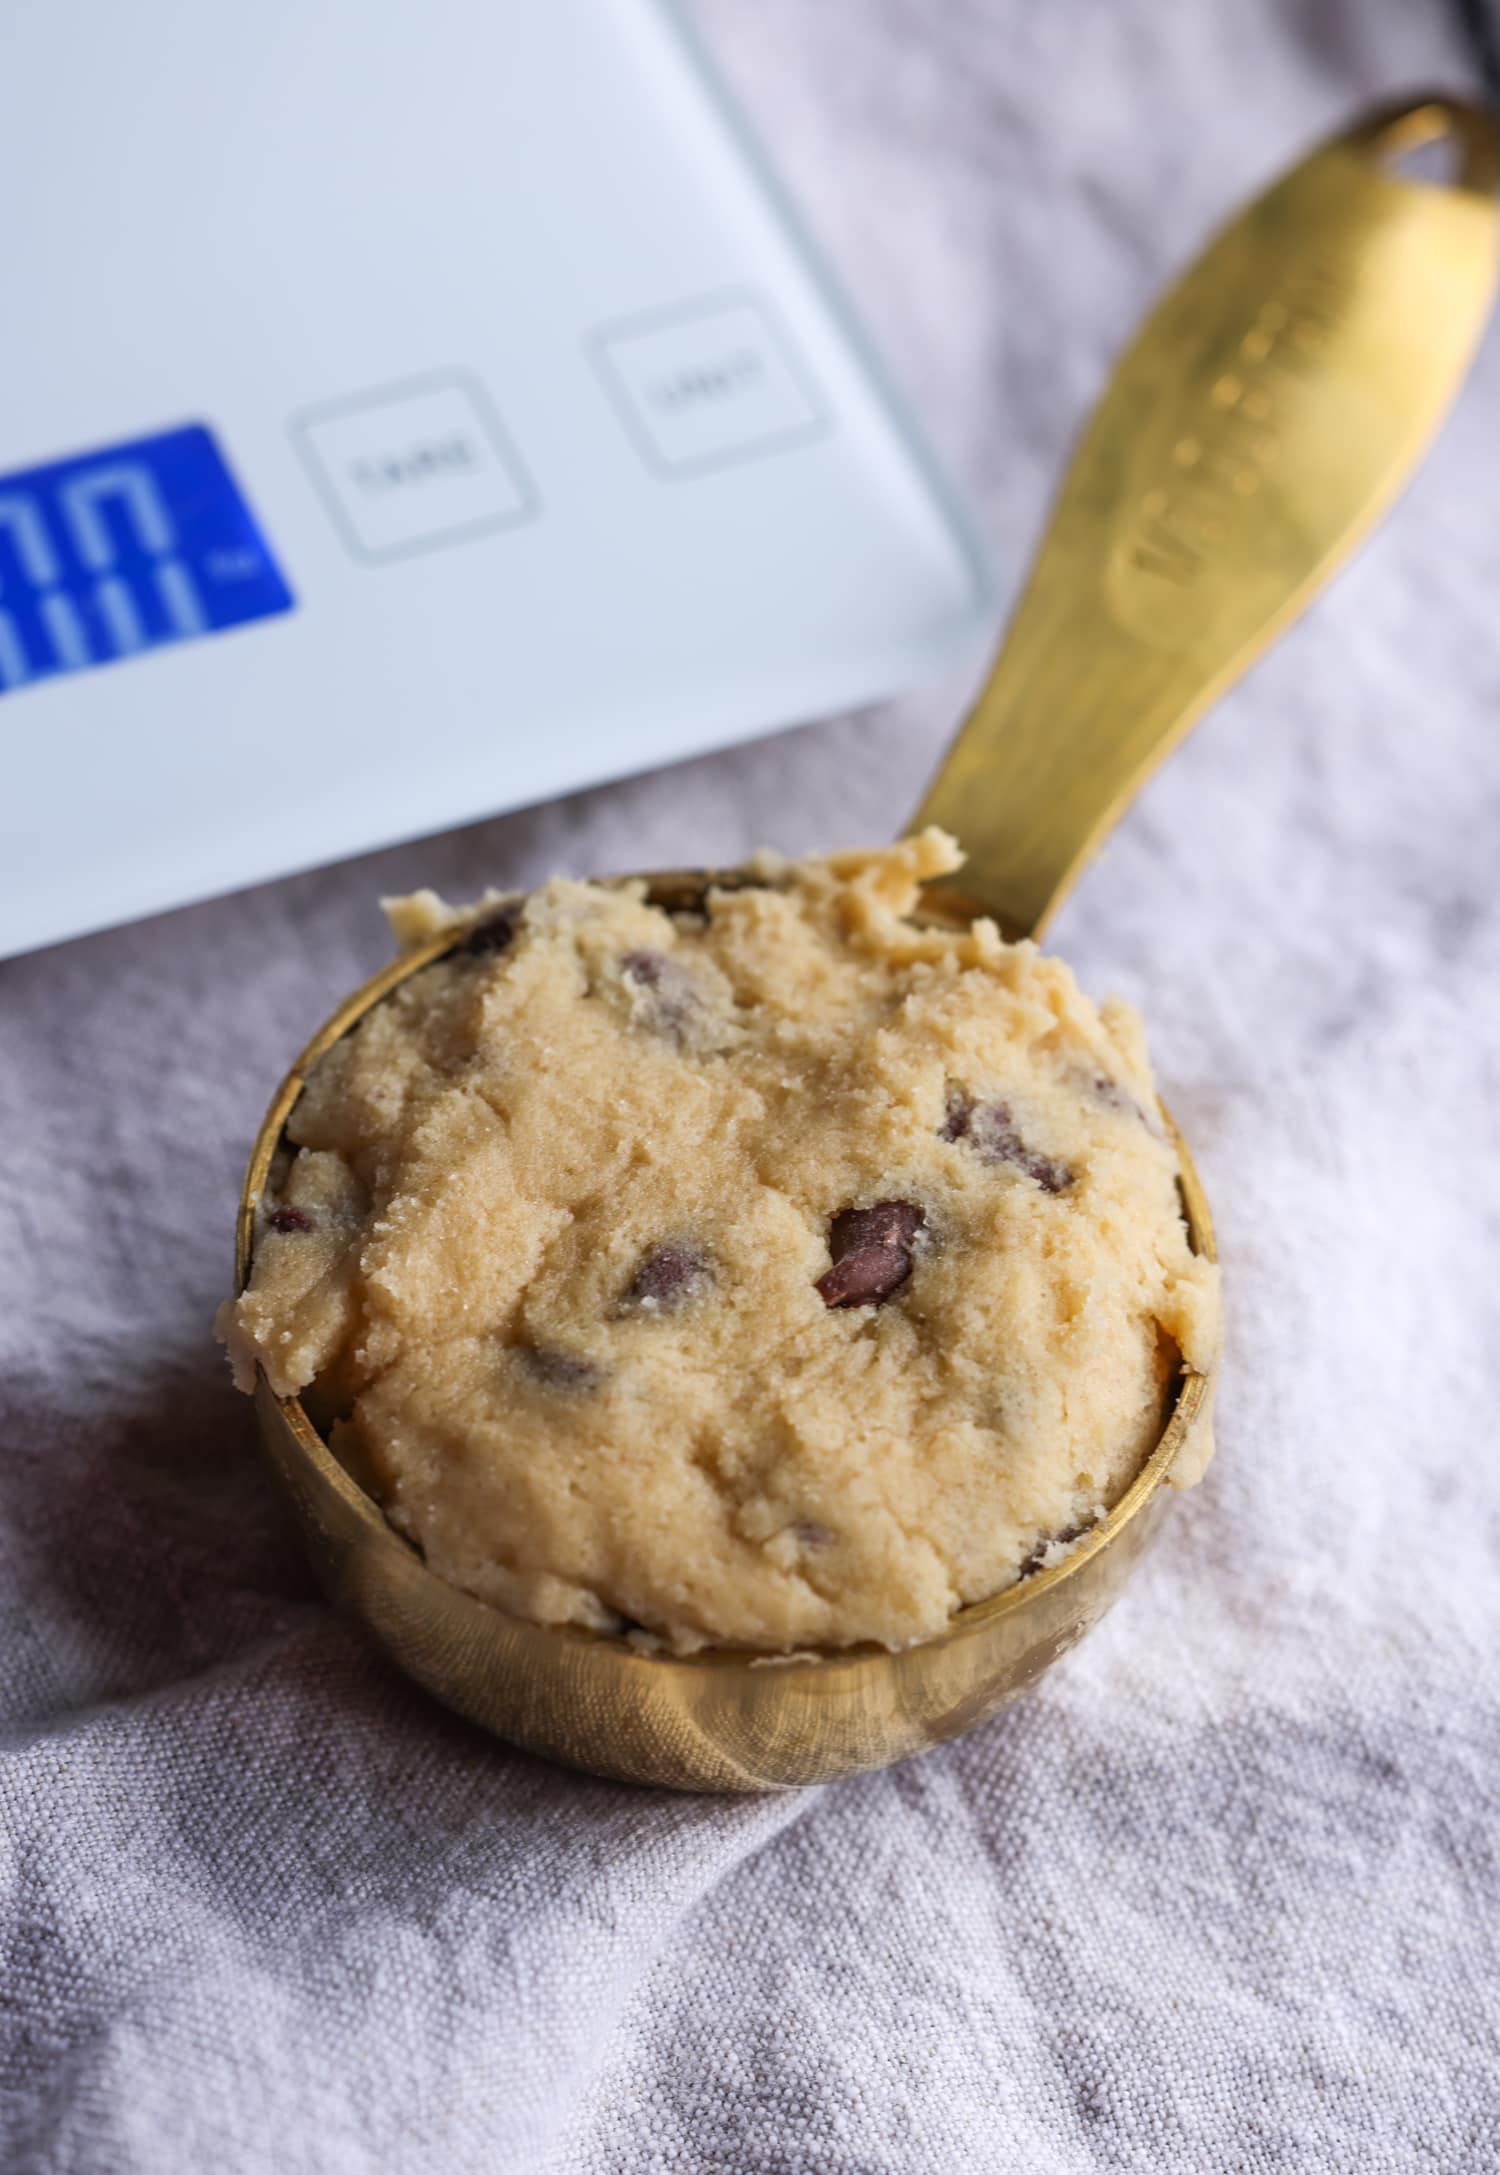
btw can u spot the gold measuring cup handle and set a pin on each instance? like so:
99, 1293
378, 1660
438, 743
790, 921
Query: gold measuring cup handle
1259, 423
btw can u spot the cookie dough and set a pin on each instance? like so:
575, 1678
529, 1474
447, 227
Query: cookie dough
780, 1274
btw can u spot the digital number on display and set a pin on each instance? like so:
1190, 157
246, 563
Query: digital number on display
115, 552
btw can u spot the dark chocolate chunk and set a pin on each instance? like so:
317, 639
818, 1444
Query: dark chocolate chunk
1114, 1097
871, 1249
1056, 1540
559, 1370
673, 999
993, 1133
288, 1218
1049, 1171
807, 1534
666, 1275
990, 1130
956, 1121
494, 933
644, 967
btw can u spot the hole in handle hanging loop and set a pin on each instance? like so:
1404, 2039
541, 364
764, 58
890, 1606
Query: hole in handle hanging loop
1434, 141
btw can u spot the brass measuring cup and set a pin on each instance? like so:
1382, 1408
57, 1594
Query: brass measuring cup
1262, 418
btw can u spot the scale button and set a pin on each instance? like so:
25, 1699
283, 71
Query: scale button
707, 383
413, 466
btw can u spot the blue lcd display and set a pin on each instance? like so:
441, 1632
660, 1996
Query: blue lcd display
111, 553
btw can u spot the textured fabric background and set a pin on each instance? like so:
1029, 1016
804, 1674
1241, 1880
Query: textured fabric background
1223, 1893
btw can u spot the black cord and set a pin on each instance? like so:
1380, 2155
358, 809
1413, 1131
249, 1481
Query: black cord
1482, 32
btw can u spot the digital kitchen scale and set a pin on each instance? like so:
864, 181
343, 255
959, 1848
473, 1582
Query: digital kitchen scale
408, 412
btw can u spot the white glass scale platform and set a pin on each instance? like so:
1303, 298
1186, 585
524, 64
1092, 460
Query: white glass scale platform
408, 412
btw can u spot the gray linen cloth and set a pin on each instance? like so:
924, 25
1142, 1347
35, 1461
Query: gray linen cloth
1220, 1895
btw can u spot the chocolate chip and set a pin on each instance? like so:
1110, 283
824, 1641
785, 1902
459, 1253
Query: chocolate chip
493, 934
1050, 1172
644, 967
990, 1130
287, 1218
807, 1534
871, 1249
1114, 1097
960, 1109
673, 999
559, 1370
1038, 1555
666, 1275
